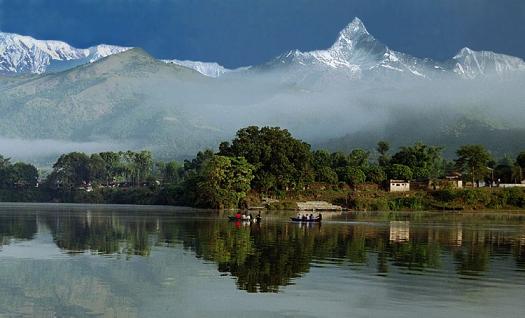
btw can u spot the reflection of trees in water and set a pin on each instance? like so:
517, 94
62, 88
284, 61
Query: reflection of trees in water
265, 257
104, 234
21, 226
519, 250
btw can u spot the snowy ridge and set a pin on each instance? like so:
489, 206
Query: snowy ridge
471, 64
205, 68
24, 54
357, 52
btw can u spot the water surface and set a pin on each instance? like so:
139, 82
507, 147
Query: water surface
111, 261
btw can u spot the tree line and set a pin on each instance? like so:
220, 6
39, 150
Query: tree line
267, 160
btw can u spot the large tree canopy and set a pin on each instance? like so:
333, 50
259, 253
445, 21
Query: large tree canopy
424, 161
473, 159
280, 161
76, 169
17, 175
223, 182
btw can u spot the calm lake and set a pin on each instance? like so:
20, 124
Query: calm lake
117, 261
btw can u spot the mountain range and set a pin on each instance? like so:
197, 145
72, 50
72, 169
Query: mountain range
357, 89
355, 51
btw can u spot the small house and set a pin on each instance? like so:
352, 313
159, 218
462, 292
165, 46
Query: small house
452, 181
398, 186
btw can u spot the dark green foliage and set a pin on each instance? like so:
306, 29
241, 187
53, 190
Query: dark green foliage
358, 158
473, 160
414, 203
77, 169
424, 161
322, 165
445, 195
141, 196
504, 171
353, 176
326, 174
223, 181
375, 174
17, 176
399, 172
280, 161
264, 160
382, 148
520, 160
171, 172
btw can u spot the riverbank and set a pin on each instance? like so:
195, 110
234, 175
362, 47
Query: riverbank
439, 200
346, 198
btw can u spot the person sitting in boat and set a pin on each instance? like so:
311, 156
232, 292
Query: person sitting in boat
304, 217
258, 217
238, 215
311, 216
244, 216
299, 216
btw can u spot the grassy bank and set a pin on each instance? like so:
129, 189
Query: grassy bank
362, 200
378, 200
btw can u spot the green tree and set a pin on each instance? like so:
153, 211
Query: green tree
71, 170
97, 168
339, 160
520, 162
353, 176
171, 172
399, 172
382, 148
143, 162
503, 170
425, 161
326, 174
322, 165
138, 166
5, 172
473, 160
280, 161
4, 162
113, 165
359, 158
356, 177
25, 174
196, 163
375, 174
223, 182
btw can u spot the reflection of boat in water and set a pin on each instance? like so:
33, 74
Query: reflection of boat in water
234, 219
316, 220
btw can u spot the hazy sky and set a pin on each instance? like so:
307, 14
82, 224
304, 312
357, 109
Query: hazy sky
244, 32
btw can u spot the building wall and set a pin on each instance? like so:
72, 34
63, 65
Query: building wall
399, 186
512, 185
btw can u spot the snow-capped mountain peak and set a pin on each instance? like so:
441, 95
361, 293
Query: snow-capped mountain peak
355, 51
350, 35
103, 50
471, 64
24, 54
205, 68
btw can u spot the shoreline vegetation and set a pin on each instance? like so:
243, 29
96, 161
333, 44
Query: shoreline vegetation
267, 168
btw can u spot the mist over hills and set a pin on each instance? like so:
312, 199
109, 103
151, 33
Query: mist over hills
352, 94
